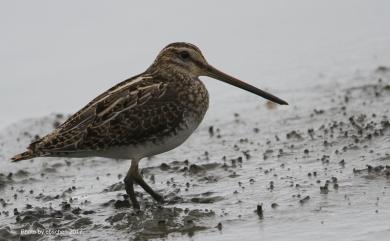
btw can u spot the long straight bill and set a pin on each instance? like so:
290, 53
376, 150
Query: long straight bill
216, 74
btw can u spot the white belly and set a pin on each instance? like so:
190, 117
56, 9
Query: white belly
150, 149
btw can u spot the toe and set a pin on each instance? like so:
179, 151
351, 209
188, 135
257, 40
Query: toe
159, 198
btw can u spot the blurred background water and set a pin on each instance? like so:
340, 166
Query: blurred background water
56, 56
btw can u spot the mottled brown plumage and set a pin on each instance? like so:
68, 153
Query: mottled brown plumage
142, 116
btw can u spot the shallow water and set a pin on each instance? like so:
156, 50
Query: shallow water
319, 173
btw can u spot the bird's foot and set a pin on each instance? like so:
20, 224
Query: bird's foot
158, 198
136, 205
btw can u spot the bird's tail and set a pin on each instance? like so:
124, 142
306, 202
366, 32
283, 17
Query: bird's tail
24, 156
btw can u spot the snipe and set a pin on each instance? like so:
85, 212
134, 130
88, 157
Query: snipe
145, 115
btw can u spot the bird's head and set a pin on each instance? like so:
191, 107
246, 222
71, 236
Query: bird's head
187, 59
183, 58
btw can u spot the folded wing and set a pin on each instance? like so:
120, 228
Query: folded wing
135, 111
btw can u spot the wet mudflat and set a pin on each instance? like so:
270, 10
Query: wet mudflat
319, 168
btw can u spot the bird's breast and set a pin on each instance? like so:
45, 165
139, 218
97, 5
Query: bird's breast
194, 97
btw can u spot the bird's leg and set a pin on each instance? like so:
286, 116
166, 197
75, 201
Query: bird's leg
133, 176
140, 181
129, 186
137, 178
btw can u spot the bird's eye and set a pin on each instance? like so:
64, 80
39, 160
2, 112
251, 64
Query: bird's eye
184, 55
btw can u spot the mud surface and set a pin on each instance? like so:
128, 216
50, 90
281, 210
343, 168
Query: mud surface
317, 168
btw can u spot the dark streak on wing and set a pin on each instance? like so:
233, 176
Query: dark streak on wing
140, 112
85, 112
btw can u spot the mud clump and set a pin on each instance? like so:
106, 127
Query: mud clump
122, 204
294, 135
65, 218
21, 173
219, 226
164, 167
116, 218
304, 200
259, 211
195, 169
7, 234
382, 69
324, 189
372, 172
159, 222
119, 186
206, 199
4, 180
82, 223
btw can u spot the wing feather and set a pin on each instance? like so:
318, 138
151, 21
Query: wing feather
105, 114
